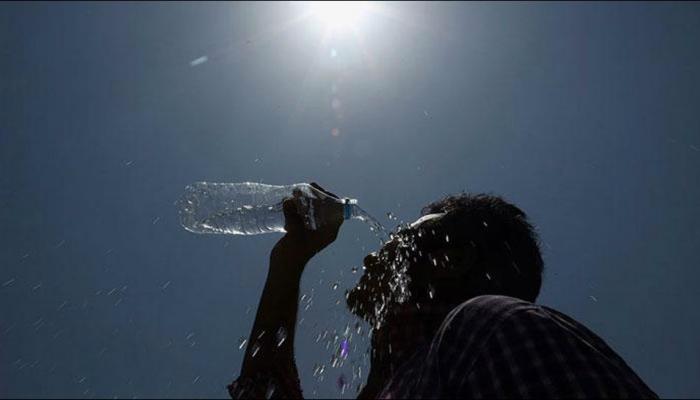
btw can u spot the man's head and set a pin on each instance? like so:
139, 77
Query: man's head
462, 247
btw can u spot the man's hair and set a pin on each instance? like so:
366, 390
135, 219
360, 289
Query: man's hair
507, 247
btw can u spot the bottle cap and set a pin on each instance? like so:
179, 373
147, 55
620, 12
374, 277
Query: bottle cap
347, 207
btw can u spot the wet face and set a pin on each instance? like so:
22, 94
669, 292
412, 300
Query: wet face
416, 266
377, 287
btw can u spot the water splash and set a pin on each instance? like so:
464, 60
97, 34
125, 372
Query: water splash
374, 225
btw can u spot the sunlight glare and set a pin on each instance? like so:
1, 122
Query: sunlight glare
339, 14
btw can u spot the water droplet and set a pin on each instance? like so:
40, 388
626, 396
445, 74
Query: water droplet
515, 266
334, 286
485, 224
255, 350
199, 61
241, 342
431, 291
319, 370
595, 299
281, 336
344, 348
342, 383
488, 276
447, 238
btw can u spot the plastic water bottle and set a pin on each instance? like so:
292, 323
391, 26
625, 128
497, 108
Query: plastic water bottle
253, 208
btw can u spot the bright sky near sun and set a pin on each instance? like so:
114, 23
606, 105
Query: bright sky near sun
339, 14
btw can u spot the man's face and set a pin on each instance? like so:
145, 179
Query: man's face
409, 268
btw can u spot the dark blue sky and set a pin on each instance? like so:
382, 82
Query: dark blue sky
585, 115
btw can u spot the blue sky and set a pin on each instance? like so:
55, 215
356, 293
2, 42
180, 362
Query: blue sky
585, 115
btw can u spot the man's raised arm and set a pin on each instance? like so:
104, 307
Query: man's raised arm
269, 368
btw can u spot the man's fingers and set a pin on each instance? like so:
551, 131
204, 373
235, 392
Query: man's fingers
292, 219
324, 191
323, 206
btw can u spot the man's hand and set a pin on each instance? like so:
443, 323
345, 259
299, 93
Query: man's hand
302, 241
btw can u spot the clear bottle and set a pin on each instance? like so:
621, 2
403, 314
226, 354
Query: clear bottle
250, 208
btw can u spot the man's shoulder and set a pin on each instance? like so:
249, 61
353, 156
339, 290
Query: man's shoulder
484, 315
490, 305
512, 334
473, 320
493, 299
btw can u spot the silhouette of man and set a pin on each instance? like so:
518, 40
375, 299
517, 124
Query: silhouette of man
450, 299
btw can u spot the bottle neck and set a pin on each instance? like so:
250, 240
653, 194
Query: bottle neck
348, 207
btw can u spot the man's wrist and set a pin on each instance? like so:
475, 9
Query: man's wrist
290, 255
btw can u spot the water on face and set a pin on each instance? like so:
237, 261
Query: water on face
345, 346
387, 286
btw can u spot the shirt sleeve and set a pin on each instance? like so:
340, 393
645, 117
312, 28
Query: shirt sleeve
270, 384
529, 351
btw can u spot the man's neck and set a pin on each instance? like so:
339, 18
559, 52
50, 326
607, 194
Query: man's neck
411, 328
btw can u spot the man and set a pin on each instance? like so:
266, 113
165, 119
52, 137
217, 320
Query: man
450, 299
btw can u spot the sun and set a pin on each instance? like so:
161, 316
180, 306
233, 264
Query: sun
339, 14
